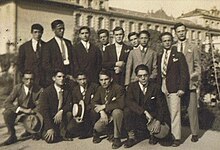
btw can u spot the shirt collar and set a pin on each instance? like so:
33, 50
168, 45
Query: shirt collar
34, 41
57, 88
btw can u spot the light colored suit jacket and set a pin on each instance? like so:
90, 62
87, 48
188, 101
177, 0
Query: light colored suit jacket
135, 59
192, 55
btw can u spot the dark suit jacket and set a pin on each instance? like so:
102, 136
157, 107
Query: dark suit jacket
177, 76
89, 62
110, 58
18, 95
90, 92
115, 98
27, 60
49, 105
154, 101
52, 58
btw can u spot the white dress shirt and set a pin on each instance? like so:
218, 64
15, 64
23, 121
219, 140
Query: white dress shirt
34, 44
86, 45
118, 50
163, 57
179, 46
143, 88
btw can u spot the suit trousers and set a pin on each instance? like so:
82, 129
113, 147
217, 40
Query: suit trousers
117, 116
193, 112
174, 101
10, 117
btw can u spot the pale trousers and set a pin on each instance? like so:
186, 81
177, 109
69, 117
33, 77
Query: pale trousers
193, 113
117, 116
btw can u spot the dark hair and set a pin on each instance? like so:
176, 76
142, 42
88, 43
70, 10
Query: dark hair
105, 72
80, 73
83, 28
55, 23
38, 27
103, 31
118, 29
144, 32
132, 34
165, 33
141, 67
178, 25
55, 71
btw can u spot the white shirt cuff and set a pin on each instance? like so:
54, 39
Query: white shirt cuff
17, 110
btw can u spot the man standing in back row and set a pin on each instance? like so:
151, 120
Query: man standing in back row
192, 55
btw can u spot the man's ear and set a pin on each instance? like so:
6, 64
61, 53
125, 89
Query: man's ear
53, 78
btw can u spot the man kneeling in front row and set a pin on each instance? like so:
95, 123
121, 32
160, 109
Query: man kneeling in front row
145, 104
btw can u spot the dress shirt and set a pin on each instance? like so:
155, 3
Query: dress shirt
58, 40
86, 45
179, 46
58, 89
142, 48
118, 50
163, 57
34, 44
143, 88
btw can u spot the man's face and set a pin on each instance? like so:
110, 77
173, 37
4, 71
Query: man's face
134, 40
37, 34
119, 36
181, 33
166, 41
103, 38
28, 80
82, 80
143, 77
59, 30
59, 79
143, 39
105, 81
84, 35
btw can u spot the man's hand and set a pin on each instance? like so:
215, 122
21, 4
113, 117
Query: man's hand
104, 117
58, 117
119, 64
49, 136
26, 111
180, 93
98, 108
148, 116
156, 127
117, 70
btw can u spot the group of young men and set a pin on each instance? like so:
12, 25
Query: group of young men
124, 89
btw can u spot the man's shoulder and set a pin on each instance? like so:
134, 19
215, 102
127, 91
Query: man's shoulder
25, 44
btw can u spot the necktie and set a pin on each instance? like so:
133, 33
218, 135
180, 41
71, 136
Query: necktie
164, 70
60, 98
181, 47
84, 93
38, 49
63, 49
106, 96
87, 47
144, 90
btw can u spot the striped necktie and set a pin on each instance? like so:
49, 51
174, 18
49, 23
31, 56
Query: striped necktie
63, 49
60, 98
165, 62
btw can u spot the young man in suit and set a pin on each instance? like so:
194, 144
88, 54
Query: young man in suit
85, 91
88, 57
144, 101
141, 55
103, 36
108, 103
173, 76
58, 53
133, 39
30, 54
55, 107
26, 95
115, 57
192, 55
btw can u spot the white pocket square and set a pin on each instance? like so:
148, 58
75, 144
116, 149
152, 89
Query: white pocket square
175, 59
189, 50
152, 98
114, 98
92, 96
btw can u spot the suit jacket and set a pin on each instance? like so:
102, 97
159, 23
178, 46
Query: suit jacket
90, 92
193, 60
110, 58
19, 97
135, 59
115, 98
49, 105
177, 75
154, 101
28, 60
52, 58
89, 62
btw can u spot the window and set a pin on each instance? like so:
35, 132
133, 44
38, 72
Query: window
157, 28
89, 3
101, 23
122, 24
101, 5
77, 1
89, 21
193, 35
199, 35
78, 18
140, 26
148, 26
112, 24
131, 26
164, 29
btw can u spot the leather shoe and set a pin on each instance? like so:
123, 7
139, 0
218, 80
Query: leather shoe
194, 138
153, 140
12, 139
116, 143
25, 134
176, 143
96, 139
110, 138
129, 143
